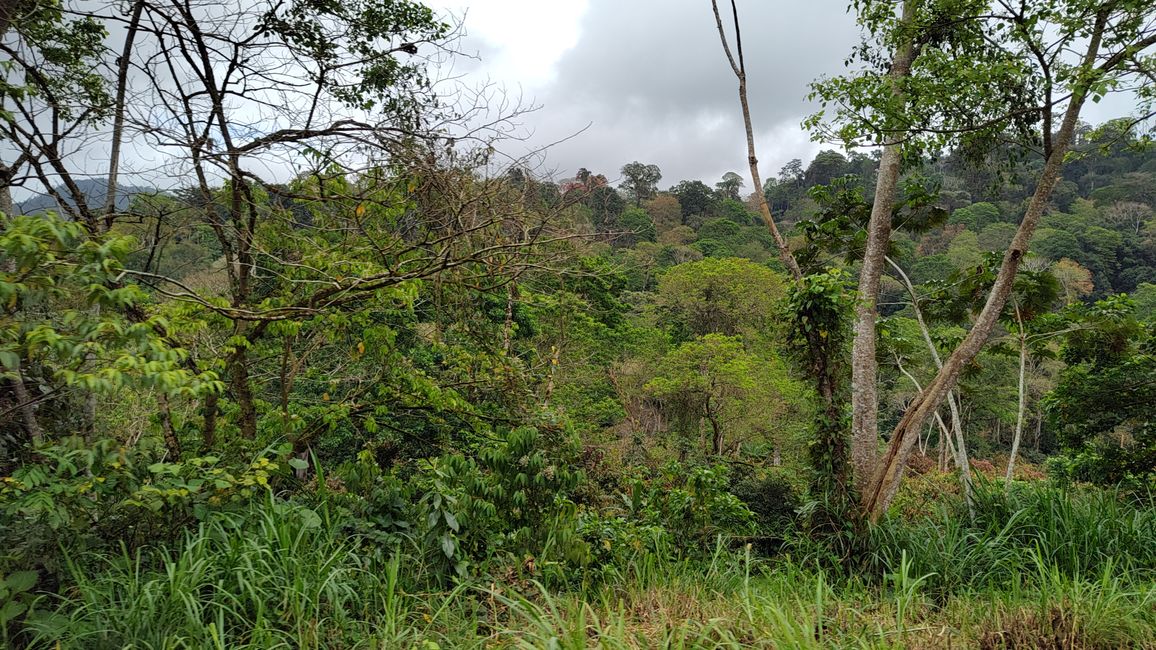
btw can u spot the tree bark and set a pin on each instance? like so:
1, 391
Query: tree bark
172, 442
243, 393
864, 366
889, 472
209, 422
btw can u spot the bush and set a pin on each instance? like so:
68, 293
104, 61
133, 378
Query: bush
79, 496
692, 504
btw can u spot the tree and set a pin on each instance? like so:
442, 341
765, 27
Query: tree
728, 296
996, 237
976, 216
739, 68
1145, 298
695, 199
730, 186
1129, 215
640, 181
908, 80
1105, 403
1036, 291
51, 262
637, 226
391, 219
715, 379
825, 167
606, 206
665, 210
1110, 36
1075, 280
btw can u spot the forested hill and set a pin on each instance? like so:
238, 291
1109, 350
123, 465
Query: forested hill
1100, 216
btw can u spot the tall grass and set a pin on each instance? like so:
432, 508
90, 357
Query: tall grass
1078, 534
1036, 566
277, 579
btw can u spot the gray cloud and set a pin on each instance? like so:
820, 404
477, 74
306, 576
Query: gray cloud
651, 80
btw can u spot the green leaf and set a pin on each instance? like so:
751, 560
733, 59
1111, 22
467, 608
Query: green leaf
309, 518
297, 463
9, 359
11, 610
20, 581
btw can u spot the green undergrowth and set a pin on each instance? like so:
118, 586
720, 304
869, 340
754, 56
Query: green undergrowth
1037, 568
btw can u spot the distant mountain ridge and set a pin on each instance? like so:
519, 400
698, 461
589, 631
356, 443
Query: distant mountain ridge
94, 191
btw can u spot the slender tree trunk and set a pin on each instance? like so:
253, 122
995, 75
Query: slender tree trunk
27, 407
716, 436
209, 422
864, 366
944, 432
830, 456
119, 116
1011, 461
1039, 427
739, 67
172, 443
959, 448
508, 325
90, 405
889, 473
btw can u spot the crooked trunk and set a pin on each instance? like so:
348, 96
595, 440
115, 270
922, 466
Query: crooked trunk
889, 471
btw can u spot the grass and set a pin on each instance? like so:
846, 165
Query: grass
1037, 569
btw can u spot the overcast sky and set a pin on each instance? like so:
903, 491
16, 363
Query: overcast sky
624, 80
648, 81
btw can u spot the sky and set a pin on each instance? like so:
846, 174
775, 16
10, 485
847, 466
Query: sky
615, 81
623, 80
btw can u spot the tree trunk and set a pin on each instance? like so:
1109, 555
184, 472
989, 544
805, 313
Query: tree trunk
90, 406
243, 393
209, 422
944, 432
119, 115
716, 436
1011, 461
740, 70
172, 443
27, 407
864, 366
508, 324
889, 472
